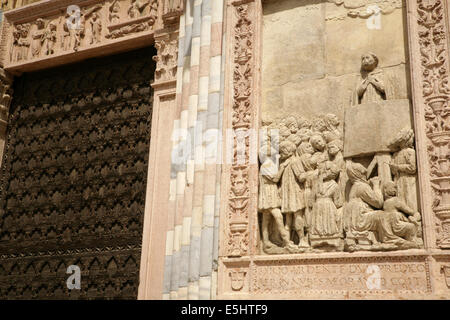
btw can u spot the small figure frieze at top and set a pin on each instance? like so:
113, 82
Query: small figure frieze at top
78, 27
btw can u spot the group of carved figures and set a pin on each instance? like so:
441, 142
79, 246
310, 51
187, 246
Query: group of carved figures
319, 200
311, 198
31, 40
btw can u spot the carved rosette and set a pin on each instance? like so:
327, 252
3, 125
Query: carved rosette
434, 59
237, 225
167, 58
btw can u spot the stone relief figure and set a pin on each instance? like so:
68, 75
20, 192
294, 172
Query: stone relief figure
114, 10
136, 8
21, 44
37, 37
308, 189
403, 166
269, 201
292, 195
326, 220
369, 228
361, 215
71, 37
96, 28
372, 87
50, 38
403, 223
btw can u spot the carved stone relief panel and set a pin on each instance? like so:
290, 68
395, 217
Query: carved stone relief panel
337, 160
41, 32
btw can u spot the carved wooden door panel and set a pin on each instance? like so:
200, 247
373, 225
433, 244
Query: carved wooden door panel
74, 179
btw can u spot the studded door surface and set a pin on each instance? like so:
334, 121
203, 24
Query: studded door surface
73, 179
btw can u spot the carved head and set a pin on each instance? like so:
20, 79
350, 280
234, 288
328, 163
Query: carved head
305, 148
332, 120
40, 23
318, 142
291, 123
304, 134
319, 125
369, 61
334, 147
303, 123
389, 190
356, 172
52, 26
331, 171
287, 149
403, 140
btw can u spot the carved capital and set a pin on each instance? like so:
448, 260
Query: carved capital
167, 57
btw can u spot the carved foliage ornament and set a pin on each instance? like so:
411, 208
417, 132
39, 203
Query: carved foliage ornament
166, 59
239, 194
433, 43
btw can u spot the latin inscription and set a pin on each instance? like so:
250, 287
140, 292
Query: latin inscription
404, 276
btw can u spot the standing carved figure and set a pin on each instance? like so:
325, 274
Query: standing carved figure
371, 88
50, 38
403, 166
326, 226
292, 195
305, 152
96, 28
37, 38
15, 48
269, 203
21, 44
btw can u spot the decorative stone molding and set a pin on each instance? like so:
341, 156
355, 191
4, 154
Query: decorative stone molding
433, 44
5, 100
241, 119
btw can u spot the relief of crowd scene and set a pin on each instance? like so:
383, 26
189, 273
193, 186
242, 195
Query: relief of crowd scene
311, 199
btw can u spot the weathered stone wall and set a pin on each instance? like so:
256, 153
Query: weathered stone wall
311, 56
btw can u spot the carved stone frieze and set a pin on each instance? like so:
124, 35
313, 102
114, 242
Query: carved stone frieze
77, 26
367, 8
433, 40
